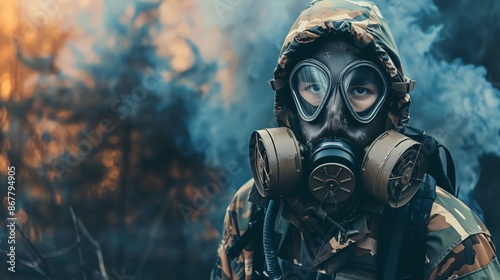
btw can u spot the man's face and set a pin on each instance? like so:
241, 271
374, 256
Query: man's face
339, 95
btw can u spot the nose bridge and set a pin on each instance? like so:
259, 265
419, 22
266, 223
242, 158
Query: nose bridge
335, 115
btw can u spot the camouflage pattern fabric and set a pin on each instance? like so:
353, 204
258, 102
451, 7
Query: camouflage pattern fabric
458, 245
236, 221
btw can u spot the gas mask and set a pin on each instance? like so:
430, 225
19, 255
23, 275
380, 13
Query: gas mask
391, 170
338, 144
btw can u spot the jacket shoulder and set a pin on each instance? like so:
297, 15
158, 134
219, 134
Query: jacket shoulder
239, 211
460, 217
450, 223
236, 219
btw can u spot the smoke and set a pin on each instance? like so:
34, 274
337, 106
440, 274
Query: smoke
252, 33
448, 53
453, 100
470, 34
212, 60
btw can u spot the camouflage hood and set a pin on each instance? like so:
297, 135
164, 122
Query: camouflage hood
363, 21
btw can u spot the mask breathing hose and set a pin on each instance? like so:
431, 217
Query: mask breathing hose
270, 254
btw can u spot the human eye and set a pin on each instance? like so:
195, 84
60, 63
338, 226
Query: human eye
309, 85
362, 97
360, 91
313, 88
363, 86
312, 93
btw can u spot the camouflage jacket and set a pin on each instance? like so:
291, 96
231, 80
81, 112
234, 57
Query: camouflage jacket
458, 244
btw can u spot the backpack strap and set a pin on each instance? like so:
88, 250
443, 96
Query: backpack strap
253, 232
450, 172
255, 226
445, 180
403, 237
389, 248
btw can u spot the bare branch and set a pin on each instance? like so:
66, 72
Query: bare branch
80, 255
35, 250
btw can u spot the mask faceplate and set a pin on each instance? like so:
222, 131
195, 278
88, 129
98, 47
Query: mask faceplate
332, 149
362, 84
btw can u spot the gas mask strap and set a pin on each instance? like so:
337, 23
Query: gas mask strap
404, 87
277, 84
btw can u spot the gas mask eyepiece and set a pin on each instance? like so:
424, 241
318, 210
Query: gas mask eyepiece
362, 84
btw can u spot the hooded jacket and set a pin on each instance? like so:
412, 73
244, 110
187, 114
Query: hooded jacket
458, 245
364, 22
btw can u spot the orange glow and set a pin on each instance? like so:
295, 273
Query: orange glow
33, 157
110, 181
189, 190
54, 149
51, 129
52, 175
8, 16
114, 173
5, 126
84, 3
4, 163
63, 114
37, 193
22, 216
89, 82
5, 202
183, 57
58, 198
108, 161
5, 86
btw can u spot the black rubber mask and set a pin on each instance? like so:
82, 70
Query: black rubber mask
338, 94
337, 144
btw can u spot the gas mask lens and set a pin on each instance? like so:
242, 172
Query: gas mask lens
362, 83
310, 84
364, 89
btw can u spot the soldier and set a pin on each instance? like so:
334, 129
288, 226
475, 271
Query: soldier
339, 190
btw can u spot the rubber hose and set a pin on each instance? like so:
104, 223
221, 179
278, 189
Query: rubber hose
270, 254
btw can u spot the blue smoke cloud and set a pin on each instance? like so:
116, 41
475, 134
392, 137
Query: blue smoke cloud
453, 101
